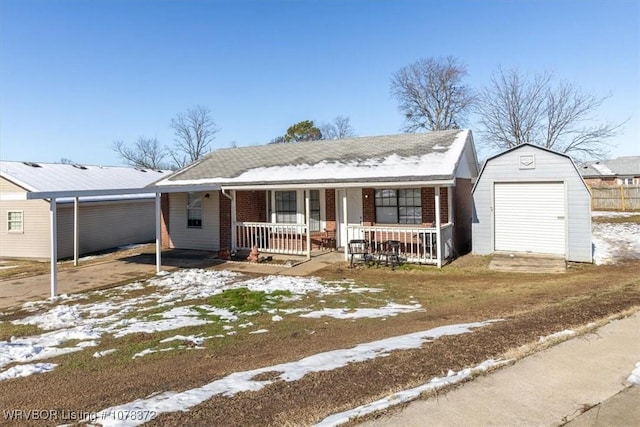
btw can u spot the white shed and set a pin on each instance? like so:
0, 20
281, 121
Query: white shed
532, 200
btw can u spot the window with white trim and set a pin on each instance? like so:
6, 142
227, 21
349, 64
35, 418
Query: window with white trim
314, 210
286, 207
194, 210
15, 221
402, 206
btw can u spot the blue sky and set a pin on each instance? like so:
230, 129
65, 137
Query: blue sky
75, 76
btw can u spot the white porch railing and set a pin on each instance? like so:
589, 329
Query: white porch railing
272, 237
417, 244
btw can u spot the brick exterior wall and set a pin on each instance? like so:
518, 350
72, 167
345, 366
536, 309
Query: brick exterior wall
164, 226
251, 206
225, 222
462, 216
330, 208
368, 206
428, 205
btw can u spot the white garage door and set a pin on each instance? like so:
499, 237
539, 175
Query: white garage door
530, 217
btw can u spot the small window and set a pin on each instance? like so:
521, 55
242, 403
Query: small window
15, 221
314, 210
286, 207
194, 210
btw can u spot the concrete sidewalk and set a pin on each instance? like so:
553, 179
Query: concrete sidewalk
548, 388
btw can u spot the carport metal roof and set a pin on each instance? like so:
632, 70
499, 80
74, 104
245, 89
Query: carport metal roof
77, 194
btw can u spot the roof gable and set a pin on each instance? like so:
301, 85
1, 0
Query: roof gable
433, 155
62, 177
521, 147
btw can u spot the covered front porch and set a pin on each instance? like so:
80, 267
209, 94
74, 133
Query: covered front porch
328, 219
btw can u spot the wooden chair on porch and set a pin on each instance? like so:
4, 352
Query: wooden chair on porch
328, 241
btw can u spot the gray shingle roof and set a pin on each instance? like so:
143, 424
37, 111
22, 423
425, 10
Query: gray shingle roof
621, 166
325, 160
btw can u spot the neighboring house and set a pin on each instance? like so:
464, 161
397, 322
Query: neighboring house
290, 198
614, 172
530, 199
104, 221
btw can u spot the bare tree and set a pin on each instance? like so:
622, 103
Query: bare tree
516, 109
66, 161
431, 94
338, 129
193, 131
145, 153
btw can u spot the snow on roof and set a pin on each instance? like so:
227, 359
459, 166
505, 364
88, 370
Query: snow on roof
621, 166
63, 177
406, 157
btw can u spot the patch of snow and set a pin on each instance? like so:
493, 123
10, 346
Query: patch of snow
26, 370
245, 325
92, 343
634, 378
172, 401
613, 242
391, 309
144, 352
175, 318
276, 318
409, 395
104, 352
259, 331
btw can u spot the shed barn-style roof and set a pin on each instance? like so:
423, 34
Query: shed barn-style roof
405, 157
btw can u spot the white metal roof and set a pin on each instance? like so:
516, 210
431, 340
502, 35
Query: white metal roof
41, 177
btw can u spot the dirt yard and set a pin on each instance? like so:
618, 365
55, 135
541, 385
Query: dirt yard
531, 306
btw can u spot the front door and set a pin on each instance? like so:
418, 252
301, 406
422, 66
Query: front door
354, 213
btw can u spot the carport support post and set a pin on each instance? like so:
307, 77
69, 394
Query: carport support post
308, 216
75, 231
53, 222
158, 234
438, 227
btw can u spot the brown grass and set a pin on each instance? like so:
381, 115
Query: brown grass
533, 305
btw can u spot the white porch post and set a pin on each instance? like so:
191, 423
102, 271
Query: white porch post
158, 233
233, 220
53, 223
438, 226
76, 232
346, 223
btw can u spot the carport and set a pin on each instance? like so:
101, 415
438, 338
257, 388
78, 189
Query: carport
77, 195
532, 200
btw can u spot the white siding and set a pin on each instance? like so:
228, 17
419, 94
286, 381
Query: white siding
549, 167
33, 242
205, 238
106, 225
